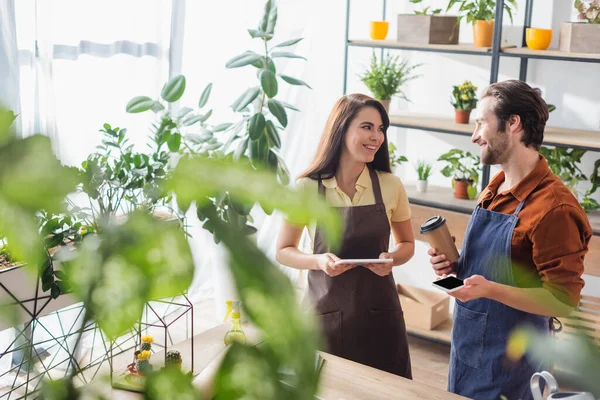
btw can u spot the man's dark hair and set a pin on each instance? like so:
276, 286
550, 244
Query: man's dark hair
515, 97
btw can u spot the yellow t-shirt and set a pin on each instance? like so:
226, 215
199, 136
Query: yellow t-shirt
392, 192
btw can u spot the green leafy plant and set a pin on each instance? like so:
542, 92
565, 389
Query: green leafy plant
464, 96
564, 163
427, 10
423, 169
386, 77
462, 166
589, 12
474, 10
395, 158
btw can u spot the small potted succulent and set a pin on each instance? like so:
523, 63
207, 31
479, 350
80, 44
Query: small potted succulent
143, 362
147, 341
395, 158
173, 359
424, 172
386, 77
464, 168
464, 100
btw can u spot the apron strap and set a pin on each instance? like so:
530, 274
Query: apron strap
518, 210
376, 186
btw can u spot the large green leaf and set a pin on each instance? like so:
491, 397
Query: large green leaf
205, 95
193, 179
259, 149
256, 126
174, 142
246, 98
268, 81
285, 54
272, 134
269, 19
290, 42
243, 59
278, 111
170, 384
294, 81
139, 104
173, 89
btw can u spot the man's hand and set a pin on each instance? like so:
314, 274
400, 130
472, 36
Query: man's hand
440, 265
475, 287
382, 269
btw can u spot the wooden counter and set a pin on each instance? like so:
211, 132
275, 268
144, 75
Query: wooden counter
341, 379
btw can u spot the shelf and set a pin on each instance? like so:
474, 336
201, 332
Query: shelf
436, 48
550, 54
553, 136
441, 334
439, 197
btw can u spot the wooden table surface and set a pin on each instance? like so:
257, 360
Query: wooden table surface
341, 378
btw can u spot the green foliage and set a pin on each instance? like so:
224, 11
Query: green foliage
589, 13
423, 170
427, 10
474, 10
464, 96
461, 165
395, 159
386, 77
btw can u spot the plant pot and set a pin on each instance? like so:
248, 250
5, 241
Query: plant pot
538, 39
379, 30
579, 37
483, 32
427, 29
462, 116
461, 189
386, 105
421, 186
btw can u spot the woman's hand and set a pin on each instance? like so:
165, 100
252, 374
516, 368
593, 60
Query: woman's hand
382, 269
326, 261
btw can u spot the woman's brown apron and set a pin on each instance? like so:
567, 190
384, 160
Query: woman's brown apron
359, 311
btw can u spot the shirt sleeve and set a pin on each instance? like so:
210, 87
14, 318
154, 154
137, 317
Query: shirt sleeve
560, 242
401, 211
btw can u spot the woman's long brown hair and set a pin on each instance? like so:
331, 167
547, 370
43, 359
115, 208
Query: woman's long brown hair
327, 158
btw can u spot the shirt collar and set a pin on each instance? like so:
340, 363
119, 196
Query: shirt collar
362, 182
522, 189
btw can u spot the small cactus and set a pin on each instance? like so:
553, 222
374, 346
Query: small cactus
173, 358
147, 342
143, 362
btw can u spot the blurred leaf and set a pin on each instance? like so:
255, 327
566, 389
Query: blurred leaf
222, 127
245, 99
243, 59
58, 389
173, 89
205, 95
259, 34
259, 149
289, 106
139, 104
272, 134
7, 117
174, 142
269, 19
170, 384
288, 43
294, 81
256, 126
285, 54
278, 111
157, 107
268, 81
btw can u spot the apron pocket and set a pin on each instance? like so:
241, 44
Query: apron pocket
388, 343
331, 327
468, 332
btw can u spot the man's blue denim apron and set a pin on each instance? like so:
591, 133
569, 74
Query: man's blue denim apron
478, 366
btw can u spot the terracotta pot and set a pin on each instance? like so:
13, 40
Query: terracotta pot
462, 116
483, 32
386, 105
461, 189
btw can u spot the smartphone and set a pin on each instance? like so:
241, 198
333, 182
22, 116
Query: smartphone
449, 284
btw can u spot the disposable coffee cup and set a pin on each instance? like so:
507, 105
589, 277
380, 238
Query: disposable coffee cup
436, 232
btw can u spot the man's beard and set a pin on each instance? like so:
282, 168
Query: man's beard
496, 152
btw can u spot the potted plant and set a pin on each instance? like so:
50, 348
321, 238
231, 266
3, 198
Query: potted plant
481, 13
386, 77
424, 172
464, 168
426, 26
464, 100
582, 36
395, 158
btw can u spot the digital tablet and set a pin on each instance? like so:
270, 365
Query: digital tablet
362, 261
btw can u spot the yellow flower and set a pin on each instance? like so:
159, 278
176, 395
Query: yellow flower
144, 355
147, 339
464, 97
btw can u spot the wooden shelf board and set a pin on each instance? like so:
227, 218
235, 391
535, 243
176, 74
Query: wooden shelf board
443, 48
439, 197
576, 138
550, 54
441, 334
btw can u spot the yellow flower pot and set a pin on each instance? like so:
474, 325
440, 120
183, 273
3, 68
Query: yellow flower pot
379, 30
483, 32
538, 39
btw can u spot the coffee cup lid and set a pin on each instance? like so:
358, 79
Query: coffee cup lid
432, 224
